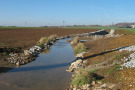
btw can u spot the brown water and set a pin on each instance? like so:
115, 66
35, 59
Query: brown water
47, 72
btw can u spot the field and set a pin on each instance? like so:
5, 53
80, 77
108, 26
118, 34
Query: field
15, 38
99, 51
26, 37
104, 27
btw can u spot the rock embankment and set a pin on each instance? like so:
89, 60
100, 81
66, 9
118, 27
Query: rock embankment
99, 32
78, 63
130, 61
30, 54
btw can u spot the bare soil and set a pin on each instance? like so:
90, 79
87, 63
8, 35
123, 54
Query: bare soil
27, 37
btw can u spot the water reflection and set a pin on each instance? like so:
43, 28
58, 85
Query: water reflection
46, 51
34, 68
47, 72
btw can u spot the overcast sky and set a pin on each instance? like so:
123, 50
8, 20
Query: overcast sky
53, 12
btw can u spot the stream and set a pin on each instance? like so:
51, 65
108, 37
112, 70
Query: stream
47, 72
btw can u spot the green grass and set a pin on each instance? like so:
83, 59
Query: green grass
95, 62
84, 77
116, 68
93, 71
87, 27
84, 27
119, 56
94, 27
104, 27
5, 53
40, 45
79, 48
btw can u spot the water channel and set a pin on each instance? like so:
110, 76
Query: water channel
47, 72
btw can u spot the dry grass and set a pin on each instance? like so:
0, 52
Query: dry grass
53, 36
108, 65
123, 79
44, 40
128, 79
125, 32
104, 44
75, 40
107, 58
108, 62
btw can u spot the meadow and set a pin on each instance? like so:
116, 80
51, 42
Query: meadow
103, 27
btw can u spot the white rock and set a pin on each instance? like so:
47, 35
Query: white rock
26, 52
17, 64
85, 61
74, 88
104, 85
79, 61
112, 86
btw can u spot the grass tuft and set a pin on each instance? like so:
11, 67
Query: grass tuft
44, 40
83, 77
53, 36
75, 40
79, 48
114, 69
5, 53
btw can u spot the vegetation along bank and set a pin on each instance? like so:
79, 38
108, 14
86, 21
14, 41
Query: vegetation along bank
103, 61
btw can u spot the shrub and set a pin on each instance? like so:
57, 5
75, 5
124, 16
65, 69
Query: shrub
83, 77
4, 53
40, 45
79, 48
44, 40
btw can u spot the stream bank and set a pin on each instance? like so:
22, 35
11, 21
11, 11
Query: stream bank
47, 72
109, 64
20, 58
41, 67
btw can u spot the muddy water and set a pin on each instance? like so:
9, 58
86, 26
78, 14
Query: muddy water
47, 72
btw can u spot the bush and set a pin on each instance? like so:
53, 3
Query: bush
5, 53
40, 45
44, 40
83, 77
79, 48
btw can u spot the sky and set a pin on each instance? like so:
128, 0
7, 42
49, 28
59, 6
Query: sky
71, 12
